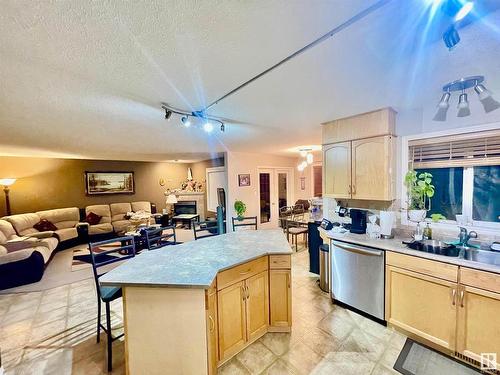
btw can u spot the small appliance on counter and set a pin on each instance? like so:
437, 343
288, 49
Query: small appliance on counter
326, 224
387, 219
358, 221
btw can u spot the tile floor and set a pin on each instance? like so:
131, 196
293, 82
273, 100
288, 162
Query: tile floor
53, 332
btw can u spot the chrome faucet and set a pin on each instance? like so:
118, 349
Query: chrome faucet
465, 236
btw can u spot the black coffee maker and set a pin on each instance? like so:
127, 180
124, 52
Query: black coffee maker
358, 220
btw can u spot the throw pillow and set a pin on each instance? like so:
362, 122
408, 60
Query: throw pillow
92, 218
44, 225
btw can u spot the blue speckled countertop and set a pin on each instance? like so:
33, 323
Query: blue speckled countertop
195, 264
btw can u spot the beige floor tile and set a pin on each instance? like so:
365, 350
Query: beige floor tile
280, 367
390, 356
382, 370
376, 329
233, 367
364, 343
279, 343
338, 324
256, 357
302, 358
321, 342
344, 364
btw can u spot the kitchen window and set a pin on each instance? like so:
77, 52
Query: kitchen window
466, 175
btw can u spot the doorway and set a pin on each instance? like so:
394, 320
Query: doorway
275, 191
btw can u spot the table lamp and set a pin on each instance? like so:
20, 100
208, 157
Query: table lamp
171, 200
6, 182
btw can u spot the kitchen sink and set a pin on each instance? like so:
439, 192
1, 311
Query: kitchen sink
435, 247
482, 256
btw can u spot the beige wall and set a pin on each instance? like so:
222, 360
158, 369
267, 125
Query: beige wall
45, 183
248, 163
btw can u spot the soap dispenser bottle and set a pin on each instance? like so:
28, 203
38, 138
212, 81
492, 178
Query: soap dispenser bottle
427, 232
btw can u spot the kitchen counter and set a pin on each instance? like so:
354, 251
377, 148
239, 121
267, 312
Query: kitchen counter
395, 244
195, 264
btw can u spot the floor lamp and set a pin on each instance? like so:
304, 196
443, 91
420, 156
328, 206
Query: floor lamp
6, 182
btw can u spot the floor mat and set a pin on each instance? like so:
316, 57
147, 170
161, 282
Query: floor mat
417, 359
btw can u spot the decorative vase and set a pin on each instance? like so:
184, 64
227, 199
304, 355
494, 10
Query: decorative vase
417, 215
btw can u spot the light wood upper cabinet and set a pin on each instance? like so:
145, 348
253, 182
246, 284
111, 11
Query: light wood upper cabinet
280, 299
478, 323
422, 305
372, 168
257, 305
232, 319
212, 333
337, 170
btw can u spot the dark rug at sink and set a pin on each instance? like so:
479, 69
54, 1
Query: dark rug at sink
417, 359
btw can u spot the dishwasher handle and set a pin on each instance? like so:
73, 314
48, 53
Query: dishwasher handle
359, 250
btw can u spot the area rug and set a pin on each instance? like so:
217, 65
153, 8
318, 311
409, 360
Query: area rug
417, 359
83, 260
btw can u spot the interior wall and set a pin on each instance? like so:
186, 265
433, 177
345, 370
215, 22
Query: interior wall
248, 163
46, 183
199, 170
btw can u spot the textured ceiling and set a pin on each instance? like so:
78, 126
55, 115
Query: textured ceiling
86, 79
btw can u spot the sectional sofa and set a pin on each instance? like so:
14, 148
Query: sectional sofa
25, 251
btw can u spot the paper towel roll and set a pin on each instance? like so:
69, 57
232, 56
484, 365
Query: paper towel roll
386, 222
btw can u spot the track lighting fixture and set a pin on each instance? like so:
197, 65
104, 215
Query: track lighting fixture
201, 120
168, 114
461, 85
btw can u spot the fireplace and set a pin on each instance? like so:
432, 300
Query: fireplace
185, 207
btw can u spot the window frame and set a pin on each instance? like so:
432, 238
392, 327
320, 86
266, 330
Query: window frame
485, 227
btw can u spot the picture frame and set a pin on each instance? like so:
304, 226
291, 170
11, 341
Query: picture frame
244, 179
109, 182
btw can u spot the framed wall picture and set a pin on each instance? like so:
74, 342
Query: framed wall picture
302, 183
244, 179
100, 183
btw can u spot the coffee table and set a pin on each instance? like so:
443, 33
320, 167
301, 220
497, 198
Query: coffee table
185, 218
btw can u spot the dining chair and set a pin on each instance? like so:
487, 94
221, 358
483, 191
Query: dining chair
248, 221
295, 227
103, 254
205, 229
159, 237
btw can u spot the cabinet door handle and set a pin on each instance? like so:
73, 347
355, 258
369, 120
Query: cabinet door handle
248, 292
350, 190
453, 296
212, 323
462, 296
243, 292
353, 189
288, 280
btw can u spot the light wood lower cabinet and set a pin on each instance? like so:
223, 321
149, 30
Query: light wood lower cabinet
232, 319
257, 305
281, 300
212, 333
422, 305
478, 322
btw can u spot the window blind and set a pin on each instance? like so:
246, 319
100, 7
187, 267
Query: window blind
462, 150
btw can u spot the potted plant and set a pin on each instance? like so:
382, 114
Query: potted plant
420, 191
240, 209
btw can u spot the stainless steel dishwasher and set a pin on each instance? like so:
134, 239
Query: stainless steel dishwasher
357, 277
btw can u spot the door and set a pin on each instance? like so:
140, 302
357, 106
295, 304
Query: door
280, 298
215, 178
478, 322
372, 174
275, 191
337, 170
257, 305
422, 305
212, 335
231, 316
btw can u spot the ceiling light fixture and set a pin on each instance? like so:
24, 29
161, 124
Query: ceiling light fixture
464, 11
308, 156
461, 85
205, 122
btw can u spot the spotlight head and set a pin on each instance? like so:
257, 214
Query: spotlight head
185, 121
463, 106
440, 114
451, 37
464, 11
208, 127
303, 153
482, 92
168, 114
309, 158
445, 100
222, 127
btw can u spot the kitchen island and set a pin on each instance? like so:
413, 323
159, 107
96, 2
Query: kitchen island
189, 307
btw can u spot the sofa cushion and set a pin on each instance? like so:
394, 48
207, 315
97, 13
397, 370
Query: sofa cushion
23, 223
3, 250
7, 231
121, 225
66, 234
92, 218
50, 243
44, 225
100, 209
61, 217
119, 210
100, 229
141, 206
